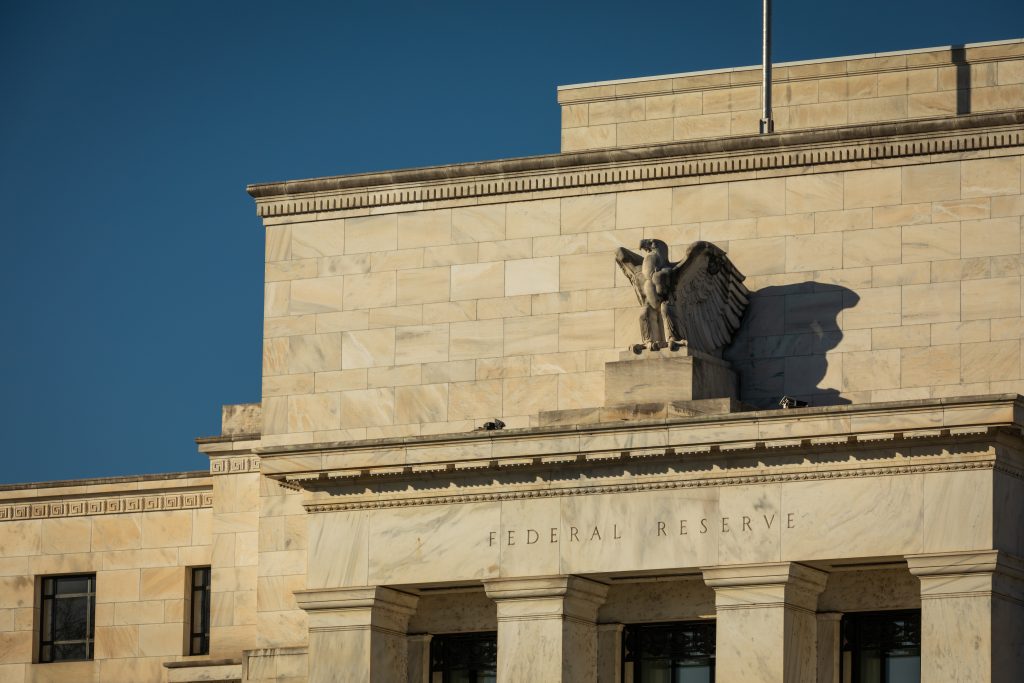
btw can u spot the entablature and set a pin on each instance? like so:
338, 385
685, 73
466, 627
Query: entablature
741, 448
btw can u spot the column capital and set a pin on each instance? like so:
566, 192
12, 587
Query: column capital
967, 573
579, 597
368, 606
360, 631
769, 584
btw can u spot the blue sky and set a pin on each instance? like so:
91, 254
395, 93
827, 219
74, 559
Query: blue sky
133, 258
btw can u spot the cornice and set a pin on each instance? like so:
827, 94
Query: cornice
609, 167
644, 486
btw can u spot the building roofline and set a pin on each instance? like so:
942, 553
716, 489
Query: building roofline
802, 62
567, 161
95, 481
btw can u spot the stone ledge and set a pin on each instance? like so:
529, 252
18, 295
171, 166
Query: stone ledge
631, 412
467, 439
203, 671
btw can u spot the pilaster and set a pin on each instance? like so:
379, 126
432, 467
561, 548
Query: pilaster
972, 616
358, 631
419, 658
609, 653
767, 629
547, 628
829, 646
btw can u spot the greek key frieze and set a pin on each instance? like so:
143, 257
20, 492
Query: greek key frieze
79, 507
235, 464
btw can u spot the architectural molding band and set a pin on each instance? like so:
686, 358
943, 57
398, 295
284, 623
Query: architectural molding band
234, 464
741, 480
108, 505
657, 162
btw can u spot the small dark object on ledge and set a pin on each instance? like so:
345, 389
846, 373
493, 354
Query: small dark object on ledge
496, 424
790, 402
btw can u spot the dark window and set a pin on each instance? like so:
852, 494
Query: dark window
881, 647
199, 616
464, 658
67, 623
678, 652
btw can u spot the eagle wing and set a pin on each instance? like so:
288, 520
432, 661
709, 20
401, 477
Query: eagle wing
631, 264
708, 298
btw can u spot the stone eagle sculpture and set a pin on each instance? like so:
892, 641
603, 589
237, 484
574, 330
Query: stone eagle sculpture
697, 302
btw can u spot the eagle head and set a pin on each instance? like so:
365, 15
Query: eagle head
657, 246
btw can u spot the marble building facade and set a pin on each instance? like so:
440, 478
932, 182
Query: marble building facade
360, 519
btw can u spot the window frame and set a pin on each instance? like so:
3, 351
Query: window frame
200, 580
849, 663
445, 639
46, 649
703, 629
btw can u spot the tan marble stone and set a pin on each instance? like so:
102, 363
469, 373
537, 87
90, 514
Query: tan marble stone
531, 276
646, 208
369, 290
875, 187
367, 348
422, 344
367, 234
423, 285
587, 213
931, 182
322, 238
477, 280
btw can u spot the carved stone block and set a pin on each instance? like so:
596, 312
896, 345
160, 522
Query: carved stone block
666, 376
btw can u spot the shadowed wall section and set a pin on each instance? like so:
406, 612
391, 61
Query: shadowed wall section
783, 344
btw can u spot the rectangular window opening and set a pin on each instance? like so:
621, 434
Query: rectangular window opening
199, 611
881, 647
673, 652
464, 658
67, 619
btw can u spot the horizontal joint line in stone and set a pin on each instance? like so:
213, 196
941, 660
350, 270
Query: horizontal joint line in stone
763, 605
546, 617
357, 627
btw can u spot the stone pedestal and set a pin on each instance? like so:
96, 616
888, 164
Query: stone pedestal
972, 616
767, 630
546, 628
665, 376
358, 634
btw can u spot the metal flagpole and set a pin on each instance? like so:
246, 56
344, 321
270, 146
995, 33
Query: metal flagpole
767, 124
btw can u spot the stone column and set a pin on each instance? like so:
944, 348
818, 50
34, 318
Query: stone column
357, 633
547, 628
972, 616
829, 646
609, 653
767, 630
419, 658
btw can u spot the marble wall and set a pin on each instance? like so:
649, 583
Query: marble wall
805, 95
138, 535
873, 280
